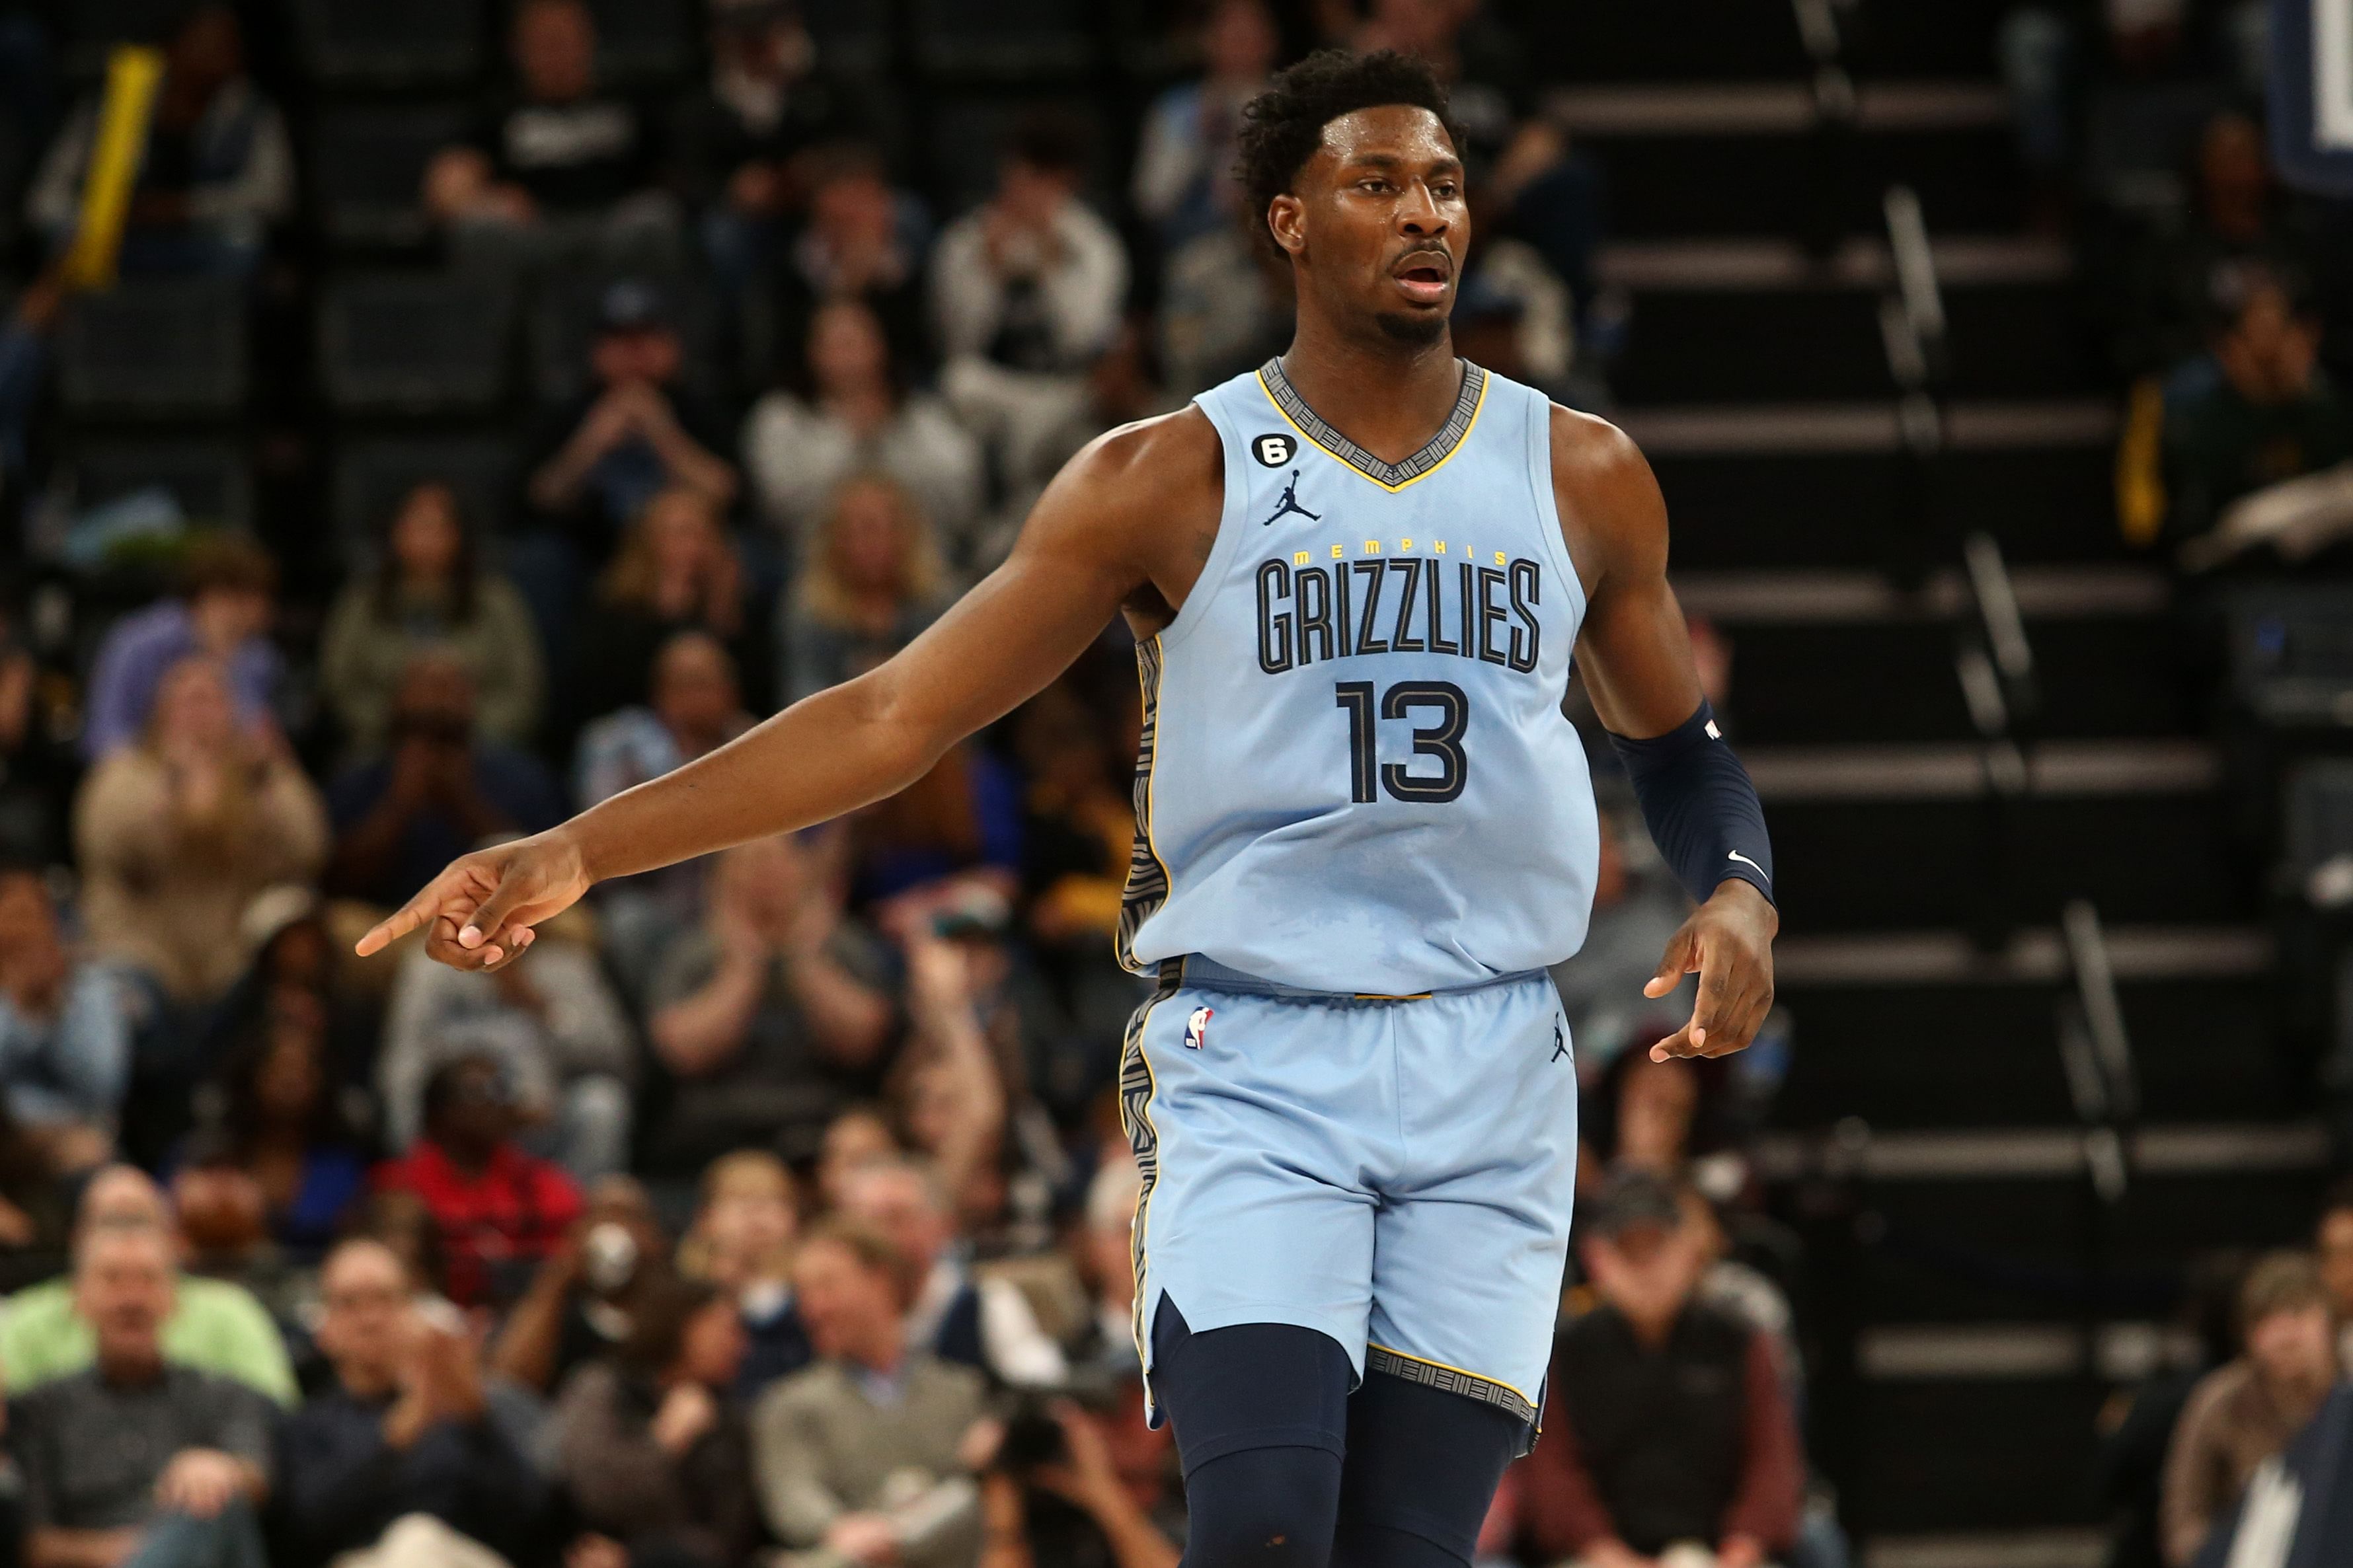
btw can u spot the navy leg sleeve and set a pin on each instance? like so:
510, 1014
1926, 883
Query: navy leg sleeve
1260, 1412
1422, 1467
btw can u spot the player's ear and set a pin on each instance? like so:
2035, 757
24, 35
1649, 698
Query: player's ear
1286, 217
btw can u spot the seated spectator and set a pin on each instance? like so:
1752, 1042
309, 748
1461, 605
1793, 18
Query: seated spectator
741, 1242
1026, 292
65, 1031
584, 1299
866, 1455
695, 707
734, 139
554, 1024
223, 610
1667, 1425
637, 430
872, 580
853, 1140
2249, 1410
225, 1236
678, 571
769, 1016
2258, 411
138, 1457
439, 791
1184, 167
984, 1323
499, 1210
178, 834
397, 1463
211, 1325
863, 241
654, 1450
430, 590
277, 1116
557, 148
215, 173
848, 412
2333, 1248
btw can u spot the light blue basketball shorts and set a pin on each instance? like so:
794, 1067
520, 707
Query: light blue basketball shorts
1395, 1171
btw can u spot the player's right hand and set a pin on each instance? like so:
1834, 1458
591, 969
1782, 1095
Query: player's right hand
480, 911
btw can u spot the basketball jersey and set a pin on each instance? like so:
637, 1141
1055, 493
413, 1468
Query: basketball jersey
1355, 774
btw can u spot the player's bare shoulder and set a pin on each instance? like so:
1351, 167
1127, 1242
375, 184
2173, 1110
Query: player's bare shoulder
1610, 509
1152, 491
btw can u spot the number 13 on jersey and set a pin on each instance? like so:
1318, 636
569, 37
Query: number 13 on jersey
1442, 740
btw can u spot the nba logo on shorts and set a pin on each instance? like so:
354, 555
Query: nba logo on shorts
1197, 1027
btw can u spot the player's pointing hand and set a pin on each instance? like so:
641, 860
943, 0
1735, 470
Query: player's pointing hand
1728, 942
480, 911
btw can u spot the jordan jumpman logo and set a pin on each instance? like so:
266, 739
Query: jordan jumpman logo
1289, 503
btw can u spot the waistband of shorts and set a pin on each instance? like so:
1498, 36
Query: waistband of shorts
1208, 974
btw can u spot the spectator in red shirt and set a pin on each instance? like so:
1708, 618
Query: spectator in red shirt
1666, 1424
499, 1211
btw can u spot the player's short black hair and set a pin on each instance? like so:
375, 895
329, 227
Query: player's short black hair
1283, 126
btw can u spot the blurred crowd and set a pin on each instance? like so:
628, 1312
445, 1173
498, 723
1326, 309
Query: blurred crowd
774, 1207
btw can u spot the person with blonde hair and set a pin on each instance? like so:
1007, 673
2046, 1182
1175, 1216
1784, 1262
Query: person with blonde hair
872, 580
677, 570
742, 1242
177, 834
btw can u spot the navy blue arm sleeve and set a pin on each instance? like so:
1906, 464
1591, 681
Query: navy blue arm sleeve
1700, 806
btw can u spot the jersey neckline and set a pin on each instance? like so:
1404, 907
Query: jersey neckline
1388, 476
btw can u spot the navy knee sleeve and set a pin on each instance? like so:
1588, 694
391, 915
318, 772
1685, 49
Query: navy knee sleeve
1261, 1417
1422, 1467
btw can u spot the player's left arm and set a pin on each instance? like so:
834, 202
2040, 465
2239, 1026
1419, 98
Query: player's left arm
1702, 810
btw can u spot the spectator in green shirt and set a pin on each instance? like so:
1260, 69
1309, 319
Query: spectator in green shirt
214, 1327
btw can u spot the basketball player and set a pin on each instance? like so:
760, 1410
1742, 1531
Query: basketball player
1364, 831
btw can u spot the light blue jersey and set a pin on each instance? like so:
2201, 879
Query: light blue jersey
1354, 776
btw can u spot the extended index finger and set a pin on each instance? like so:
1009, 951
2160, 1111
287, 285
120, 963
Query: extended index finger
412, 915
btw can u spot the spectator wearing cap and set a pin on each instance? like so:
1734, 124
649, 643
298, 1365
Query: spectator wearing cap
179, 834
439, 791
2251, 1408
398, 1462
216, 171
138, 1457
1666, 1423
866, 1457
849, 411
636, 431
212, 1325
770, 1016
499, 1211
224, 609
558, 148
430, 590
1026, 293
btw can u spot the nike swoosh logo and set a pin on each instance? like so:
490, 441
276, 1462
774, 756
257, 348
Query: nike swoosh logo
1737, 854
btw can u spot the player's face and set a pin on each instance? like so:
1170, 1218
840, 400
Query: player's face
1377, 224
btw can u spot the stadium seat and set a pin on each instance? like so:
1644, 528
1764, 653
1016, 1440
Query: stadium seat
852, 36
391, 43
2319, 826
564, 323
210, 479
1004, 40
155, 348
372, 474
415, 343
2292, 653
644, 41
367, 165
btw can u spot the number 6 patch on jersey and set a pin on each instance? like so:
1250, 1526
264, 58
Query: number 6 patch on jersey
1197, 1027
